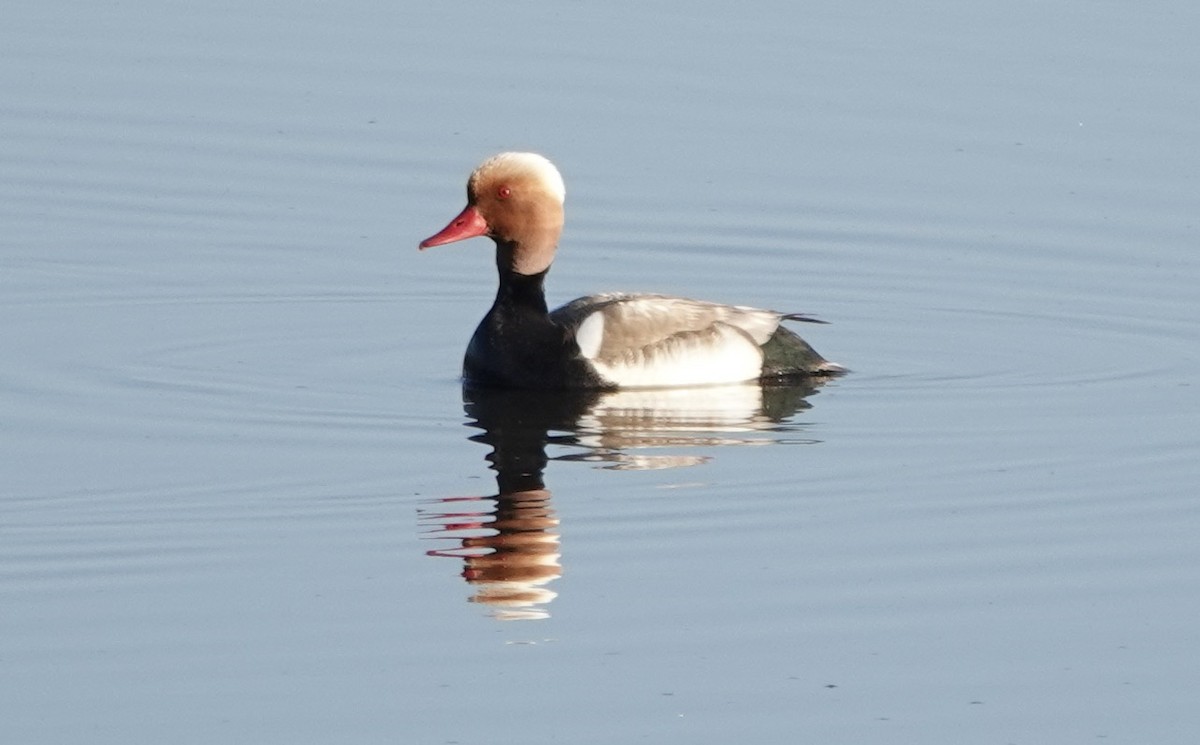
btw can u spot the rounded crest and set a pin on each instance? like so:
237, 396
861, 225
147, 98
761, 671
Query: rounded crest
524, 166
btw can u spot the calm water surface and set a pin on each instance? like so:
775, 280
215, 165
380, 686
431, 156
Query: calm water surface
245, 500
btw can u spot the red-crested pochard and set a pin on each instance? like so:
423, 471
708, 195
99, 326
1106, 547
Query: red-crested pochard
612, 340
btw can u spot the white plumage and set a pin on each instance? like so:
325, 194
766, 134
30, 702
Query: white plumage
646, 341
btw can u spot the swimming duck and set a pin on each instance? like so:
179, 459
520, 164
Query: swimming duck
605, 341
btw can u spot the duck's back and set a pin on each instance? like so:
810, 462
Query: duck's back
637, 340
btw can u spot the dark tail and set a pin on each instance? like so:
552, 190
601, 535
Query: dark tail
802, 317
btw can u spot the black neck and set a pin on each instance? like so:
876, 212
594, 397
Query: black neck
525, 291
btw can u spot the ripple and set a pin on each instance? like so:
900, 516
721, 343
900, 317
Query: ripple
992, 349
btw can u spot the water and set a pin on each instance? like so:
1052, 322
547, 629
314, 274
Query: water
244, 499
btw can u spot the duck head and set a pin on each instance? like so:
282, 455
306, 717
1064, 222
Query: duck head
516, 199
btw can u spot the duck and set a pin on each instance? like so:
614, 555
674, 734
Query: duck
606, 341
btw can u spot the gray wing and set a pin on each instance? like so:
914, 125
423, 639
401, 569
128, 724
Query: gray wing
657, 340
634, 321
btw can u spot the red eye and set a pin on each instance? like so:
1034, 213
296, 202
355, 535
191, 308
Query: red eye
504, 192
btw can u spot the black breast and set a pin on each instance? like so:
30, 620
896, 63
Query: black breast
517, 345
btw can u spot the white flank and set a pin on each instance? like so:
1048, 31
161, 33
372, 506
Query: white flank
590, 335
718, 354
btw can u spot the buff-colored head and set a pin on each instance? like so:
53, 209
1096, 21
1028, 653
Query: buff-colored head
528, 170
517, 200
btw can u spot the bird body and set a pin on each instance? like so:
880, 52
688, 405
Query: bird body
603, 341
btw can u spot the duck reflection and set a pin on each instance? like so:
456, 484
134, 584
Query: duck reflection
509, 542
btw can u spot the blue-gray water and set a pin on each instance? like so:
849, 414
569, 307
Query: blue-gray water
242, 500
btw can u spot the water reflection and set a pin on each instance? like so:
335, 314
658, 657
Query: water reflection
509, 542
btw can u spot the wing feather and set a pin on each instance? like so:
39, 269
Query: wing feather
659, 340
